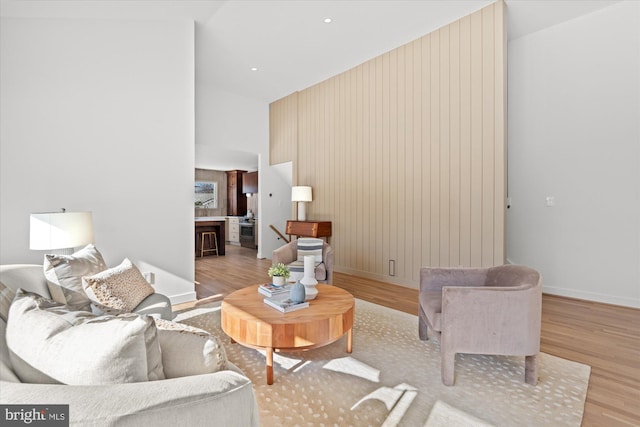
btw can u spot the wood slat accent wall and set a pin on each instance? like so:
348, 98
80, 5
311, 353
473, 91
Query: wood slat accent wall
406, 153
283, 129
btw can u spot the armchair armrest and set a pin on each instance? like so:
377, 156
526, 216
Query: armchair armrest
327, 258
491, 320
285, 254
434, 279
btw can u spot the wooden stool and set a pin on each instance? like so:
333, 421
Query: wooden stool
210, 235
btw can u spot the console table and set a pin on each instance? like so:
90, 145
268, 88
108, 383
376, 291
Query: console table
309, 229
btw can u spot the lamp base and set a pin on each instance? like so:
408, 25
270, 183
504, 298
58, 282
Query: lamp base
302, 211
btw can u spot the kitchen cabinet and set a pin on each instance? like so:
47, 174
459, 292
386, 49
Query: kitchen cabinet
250, 182
236, 201
233, 230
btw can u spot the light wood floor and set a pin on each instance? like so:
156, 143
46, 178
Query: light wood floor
603, 336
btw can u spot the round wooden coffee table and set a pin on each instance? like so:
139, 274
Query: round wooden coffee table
250, 322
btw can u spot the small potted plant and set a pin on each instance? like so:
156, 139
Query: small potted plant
279, 273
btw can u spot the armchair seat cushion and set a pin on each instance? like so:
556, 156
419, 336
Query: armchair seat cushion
297, 270
431, 303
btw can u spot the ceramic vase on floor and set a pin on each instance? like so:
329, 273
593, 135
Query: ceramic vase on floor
309, 280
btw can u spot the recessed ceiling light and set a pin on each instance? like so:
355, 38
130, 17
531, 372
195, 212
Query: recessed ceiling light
254, 68
327, 20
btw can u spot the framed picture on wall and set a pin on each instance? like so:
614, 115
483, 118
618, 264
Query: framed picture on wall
206, 195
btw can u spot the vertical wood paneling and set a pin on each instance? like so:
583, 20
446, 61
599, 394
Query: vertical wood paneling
488, 134
500, 143
283, 129
465, 141
406, 152
416, 227
454, 144
475, 170
434, 64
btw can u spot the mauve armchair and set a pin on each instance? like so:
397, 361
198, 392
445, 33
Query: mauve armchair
493, 310
288, 253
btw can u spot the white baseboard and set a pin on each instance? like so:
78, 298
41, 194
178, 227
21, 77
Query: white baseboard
180, 298
592, 296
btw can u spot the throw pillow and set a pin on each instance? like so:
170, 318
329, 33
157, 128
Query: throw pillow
49, 343
64, 275
119, 288
189, 351
6, 297
310, 246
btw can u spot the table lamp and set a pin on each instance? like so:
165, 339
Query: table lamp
60, 230
301, 194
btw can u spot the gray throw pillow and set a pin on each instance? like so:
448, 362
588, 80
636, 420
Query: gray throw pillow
64, 275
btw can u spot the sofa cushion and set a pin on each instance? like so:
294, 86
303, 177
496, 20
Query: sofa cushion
6, 297
6, 370
310, 246
119, 288
189, 351
49, 343
64, 275
297, 270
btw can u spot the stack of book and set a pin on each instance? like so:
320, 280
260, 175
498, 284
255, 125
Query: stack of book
270, 290
284, 304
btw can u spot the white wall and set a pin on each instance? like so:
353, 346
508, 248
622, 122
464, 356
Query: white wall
228, 121
574, 114
99, 115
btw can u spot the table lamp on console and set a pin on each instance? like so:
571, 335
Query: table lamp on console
302, 195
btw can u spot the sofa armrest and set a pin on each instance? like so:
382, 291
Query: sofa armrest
285, 254
226, 397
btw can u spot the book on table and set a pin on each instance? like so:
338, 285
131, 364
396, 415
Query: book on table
270, 290
284, 304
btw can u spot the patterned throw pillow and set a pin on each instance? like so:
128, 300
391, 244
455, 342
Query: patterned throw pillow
310, 246
49, 343
64, 276
189, 351
118, 289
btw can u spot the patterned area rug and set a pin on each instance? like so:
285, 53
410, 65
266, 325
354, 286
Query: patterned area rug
392, 378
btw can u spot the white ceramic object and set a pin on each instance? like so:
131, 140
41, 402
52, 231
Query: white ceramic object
309, 280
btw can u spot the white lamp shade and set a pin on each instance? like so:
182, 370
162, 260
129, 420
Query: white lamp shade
60, 230
301, 194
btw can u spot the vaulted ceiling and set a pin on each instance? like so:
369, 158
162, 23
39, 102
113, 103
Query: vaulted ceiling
288, 41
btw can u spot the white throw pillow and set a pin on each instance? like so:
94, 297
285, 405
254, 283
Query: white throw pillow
119, 288
189, 351
64, 275
48, 343
310, 246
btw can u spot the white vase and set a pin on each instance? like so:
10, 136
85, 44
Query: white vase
278, 280
310, 292
309, 280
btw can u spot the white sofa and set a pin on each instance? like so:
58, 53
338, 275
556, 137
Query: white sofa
223, 398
